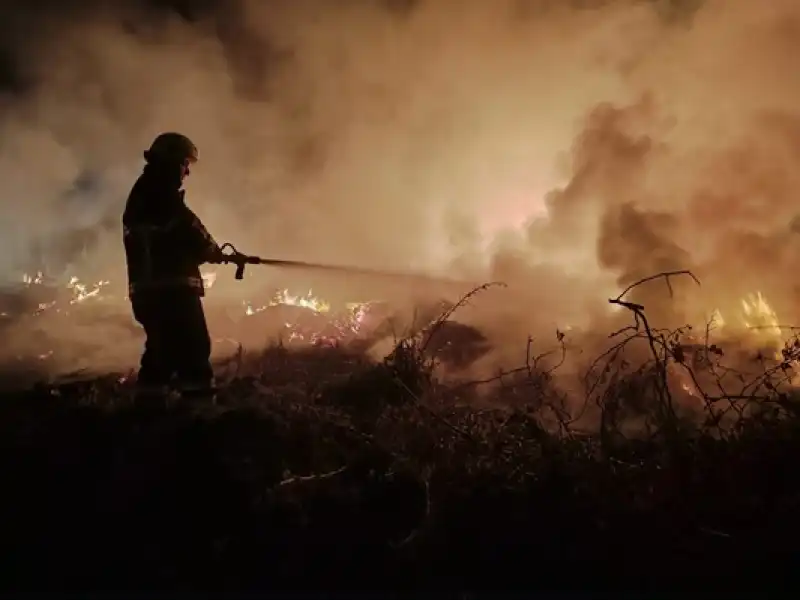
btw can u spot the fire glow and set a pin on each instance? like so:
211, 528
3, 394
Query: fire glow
756, 317
342, 323
751, 319
757, 323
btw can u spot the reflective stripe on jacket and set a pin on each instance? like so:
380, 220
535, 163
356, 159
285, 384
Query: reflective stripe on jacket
195, 283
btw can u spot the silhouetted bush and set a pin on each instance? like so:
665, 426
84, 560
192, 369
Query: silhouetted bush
325, 471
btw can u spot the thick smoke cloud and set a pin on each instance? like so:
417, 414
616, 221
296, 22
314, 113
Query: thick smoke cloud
566, 148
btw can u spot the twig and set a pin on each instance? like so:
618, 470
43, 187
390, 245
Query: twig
418, 402
641, 322
444, 317
665, 274
308, 478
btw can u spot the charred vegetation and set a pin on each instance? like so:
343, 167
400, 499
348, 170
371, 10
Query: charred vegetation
319, 469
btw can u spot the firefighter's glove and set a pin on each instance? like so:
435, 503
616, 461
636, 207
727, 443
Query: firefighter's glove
216, 257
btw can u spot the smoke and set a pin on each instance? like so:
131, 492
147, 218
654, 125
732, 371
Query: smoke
566, 148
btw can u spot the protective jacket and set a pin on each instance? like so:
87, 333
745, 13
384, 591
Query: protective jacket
165, 242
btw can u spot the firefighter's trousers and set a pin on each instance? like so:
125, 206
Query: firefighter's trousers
178, 344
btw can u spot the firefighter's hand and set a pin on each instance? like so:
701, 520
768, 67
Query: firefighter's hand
216, 256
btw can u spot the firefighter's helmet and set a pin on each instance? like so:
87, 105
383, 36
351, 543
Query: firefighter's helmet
172, 147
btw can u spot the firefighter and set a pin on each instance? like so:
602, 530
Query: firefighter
165, 243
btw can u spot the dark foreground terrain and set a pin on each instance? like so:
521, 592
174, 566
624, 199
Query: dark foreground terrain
325, 473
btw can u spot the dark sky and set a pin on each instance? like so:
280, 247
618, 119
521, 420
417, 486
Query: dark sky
23, 22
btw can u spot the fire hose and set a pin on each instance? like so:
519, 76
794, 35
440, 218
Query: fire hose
234, 257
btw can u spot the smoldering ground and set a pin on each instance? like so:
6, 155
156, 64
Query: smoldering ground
565, 148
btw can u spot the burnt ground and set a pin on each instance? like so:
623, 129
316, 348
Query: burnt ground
321, 473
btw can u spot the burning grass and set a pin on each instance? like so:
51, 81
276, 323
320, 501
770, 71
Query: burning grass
320, 468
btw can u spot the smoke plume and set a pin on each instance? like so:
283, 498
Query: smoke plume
565, 148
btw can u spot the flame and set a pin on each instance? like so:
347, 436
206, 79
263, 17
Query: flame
82, 291
33, 279
716, 318
284, 298
757, 313
756, 317
79, 291
347, 322
758, 321
308, 301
